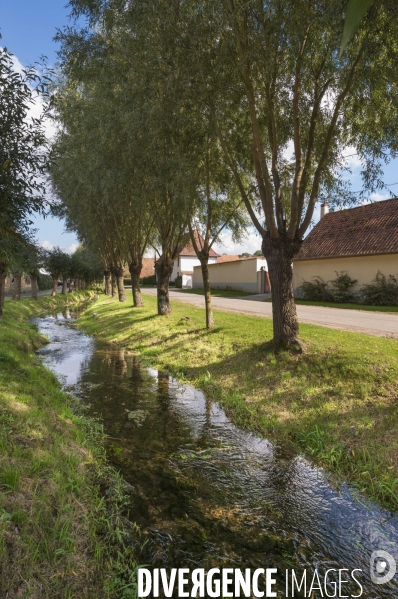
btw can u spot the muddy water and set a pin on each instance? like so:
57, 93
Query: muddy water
207, 494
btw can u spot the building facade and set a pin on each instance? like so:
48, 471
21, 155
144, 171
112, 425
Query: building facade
361, 241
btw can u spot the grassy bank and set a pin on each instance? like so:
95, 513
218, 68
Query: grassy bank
217, 292
345, 306
57, 533
337, 402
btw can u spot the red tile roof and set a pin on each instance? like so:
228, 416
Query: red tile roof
188, 250
148, 267
227, 258
369, 229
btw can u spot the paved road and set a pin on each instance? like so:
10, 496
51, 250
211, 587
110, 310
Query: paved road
373, 323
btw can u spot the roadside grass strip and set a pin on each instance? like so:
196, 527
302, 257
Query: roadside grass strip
299, 302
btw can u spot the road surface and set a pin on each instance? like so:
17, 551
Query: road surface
373, 323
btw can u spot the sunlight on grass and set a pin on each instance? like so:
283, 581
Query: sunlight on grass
342, 390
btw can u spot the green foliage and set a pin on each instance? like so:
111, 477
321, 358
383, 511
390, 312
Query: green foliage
151, 280
178, 282
383, 291
337, 290
44, 282
316, 290
340, 287
23, 148
57, 263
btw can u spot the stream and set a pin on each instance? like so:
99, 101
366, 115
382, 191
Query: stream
207, 494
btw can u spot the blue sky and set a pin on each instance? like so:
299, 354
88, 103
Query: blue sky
28, 28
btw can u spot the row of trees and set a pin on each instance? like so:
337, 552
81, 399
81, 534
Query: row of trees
81, 269
23, 165
178, 116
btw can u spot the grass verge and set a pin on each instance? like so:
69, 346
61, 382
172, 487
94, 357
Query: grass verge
345, 306
60, 536
337, 403
216, 292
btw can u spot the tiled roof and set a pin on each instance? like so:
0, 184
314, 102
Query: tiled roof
188, 250
369, 229
148, 267
227, 258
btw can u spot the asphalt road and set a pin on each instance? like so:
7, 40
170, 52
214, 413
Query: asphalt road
373, 323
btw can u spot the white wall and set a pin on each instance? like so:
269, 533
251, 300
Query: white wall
187, 264
240, 275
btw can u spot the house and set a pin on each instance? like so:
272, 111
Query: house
148, 267
361, 241
243, 274
26, 285
187, 260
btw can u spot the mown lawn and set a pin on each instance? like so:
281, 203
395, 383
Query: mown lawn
337, 402
56, 533
217, 292
345, 306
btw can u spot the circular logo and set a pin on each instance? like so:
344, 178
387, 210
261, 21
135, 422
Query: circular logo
382, 567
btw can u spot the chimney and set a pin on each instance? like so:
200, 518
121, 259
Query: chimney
324, 209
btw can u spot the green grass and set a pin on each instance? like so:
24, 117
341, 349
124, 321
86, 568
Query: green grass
345, 306
336, 403
57, 534
217, 292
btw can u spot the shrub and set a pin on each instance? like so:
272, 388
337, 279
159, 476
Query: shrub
336, 290
44, 282
178, 282
316, 292
382, 291
151, 280
127, 280
340, 287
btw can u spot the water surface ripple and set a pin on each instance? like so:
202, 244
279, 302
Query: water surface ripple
206, 493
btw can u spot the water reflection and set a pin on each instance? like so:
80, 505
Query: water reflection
205, 492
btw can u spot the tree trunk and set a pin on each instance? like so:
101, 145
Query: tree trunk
64, 286
55, 286
17, 287
2, 285
114, 284
135, 271
279, 254
206, 287
108, 285
34, 287
120, 284
164, 268
71, 286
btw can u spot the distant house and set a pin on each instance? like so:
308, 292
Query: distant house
361, 241
26, 285
148, 267
241, 274
187, 260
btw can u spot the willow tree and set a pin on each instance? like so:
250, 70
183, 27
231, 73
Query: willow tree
284, 104
272, 77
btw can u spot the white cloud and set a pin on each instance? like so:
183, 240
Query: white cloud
72, 248
379, 197
47, 245
351, 158
36, 107
251, 244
